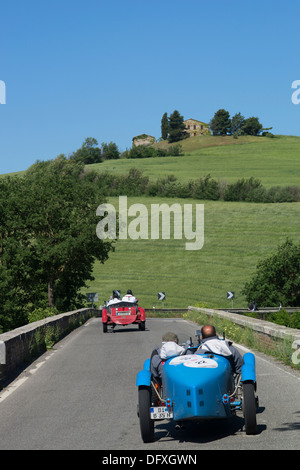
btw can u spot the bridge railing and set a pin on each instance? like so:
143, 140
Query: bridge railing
21, 345
267, 332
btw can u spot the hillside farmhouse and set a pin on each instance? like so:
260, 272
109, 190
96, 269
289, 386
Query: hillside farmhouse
194, 127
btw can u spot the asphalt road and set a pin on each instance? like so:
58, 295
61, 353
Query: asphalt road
82, 395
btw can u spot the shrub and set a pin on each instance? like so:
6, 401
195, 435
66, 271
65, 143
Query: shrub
204, 188
166, 186
41, 313
147, 151
135, 184
141, 151
175, 150
283, 194
244, 190
291, 320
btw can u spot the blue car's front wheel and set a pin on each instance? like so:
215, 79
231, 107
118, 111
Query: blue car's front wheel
146, 423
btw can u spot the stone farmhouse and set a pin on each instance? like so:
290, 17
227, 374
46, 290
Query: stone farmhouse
195, 128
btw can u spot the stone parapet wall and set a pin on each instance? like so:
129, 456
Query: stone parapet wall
267, 330
18, 347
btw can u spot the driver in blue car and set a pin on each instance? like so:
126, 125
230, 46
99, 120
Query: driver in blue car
211, 343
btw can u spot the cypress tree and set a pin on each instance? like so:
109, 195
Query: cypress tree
164, 127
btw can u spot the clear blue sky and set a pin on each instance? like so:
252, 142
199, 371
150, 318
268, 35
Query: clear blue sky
110, 69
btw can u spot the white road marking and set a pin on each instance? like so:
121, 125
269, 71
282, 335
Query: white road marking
18, 382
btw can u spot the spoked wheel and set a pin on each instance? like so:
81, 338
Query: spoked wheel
146, 423
249, 407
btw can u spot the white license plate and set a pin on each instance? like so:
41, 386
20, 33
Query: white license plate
124, 313
161, 412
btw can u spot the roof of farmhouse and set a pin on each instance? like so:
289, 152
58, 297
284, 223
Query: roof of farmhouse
196, 120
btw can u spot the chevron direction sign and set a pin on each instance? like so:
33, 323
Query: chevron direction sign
116, 294
230, 296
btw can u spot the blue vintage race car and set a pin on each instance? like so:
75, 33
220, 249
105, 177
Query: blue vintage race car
196, 387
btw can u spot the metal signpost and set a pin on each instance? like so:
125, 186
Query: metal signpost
162, 296
92, 297
230, 295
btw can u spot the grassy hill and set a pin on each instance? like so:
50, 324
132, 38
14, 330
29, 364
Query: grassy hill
273, 161
237, 235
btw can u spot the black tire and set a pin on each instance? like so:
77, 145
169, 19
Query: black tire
146, 423
249, 407
142, 326
104, 327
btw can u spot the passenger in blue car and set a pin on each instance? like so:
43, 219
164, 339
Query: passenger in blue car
169, 348
211, 343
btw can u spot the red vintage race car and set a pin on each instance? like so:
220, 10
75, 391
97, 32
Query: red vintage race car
123, 313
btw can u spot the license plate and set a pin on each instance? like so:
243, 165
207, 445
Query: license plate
161, 412
124, 313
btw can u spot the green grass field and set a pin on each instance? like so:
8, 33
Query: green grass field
276, 162
236, 237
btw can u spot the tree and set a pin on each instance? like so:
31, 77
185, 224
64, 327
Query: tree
88, 153
252, 126
236, 125
110, 151
16, 265
164, 127
65, 240
220, 124
277, 278
176, 127
48, 239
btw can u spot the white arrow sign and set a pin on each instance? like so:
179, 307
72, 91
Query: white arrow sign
230, 295
161, 296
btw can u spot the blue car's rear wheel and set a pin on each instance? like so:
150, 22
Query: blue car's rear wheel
146, 423
249, 407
